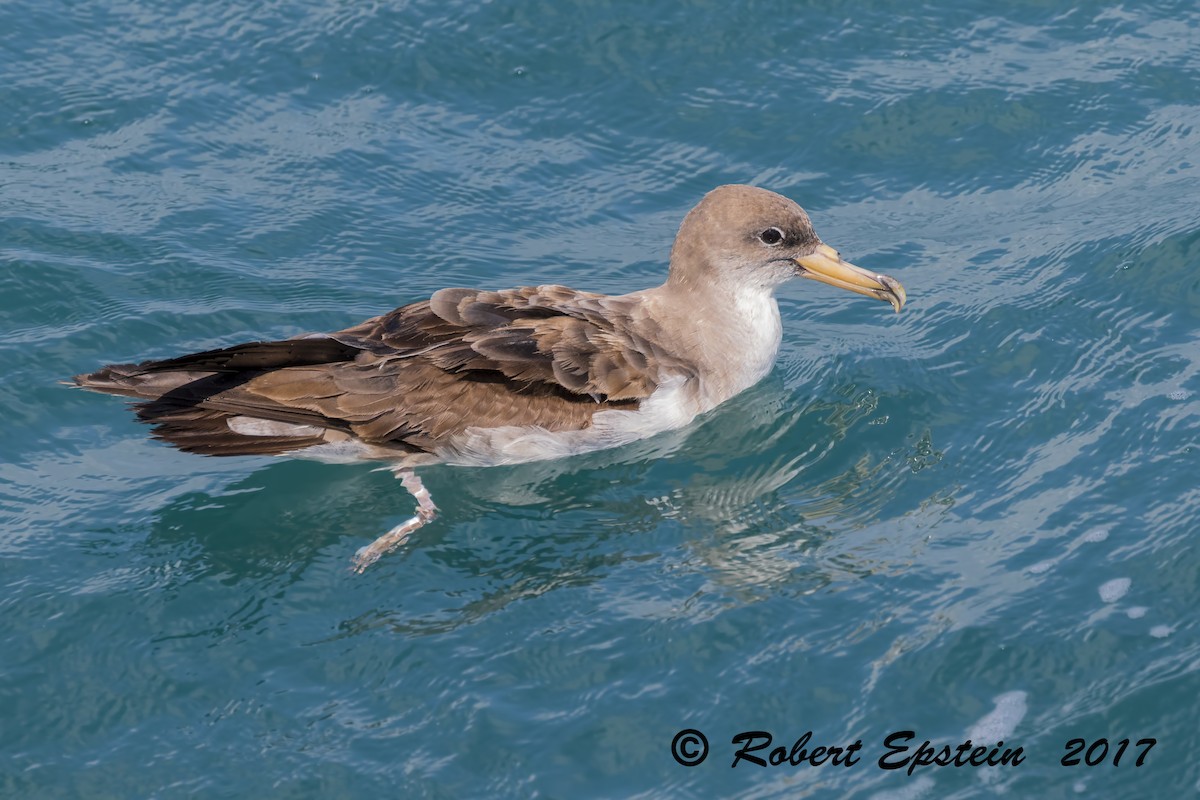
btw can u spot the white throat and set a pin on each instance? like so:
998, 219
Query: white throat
756, 330
732, 334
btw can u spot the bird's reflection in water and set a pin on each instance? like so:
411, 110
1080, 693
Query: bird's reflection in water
767, 523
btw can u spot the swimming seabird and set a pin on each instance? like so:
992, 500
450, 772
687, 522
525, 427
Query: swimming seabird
481, 378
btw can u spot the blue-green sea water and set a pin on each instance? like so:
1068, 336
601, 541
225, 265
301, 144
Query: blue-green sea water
975, 519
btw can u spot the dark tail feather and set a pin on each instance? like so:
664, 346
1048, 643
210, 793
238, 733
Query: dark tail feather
259, 356
153, 379
173, 393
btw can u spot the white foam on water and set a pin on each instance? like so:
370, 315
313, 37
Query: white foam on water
1136, 612
1096, 535
1041, 566
1114, 590
1160, 631
1002, 720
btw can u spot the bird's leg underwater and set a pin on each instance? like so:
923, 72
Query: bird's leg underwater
426, 511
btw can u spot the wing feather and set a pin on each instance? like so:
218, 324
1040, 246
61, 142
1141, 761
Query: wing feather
546, 355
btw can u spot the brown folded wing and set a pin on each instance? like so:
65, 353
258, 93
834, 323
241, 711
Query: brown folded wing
405, 381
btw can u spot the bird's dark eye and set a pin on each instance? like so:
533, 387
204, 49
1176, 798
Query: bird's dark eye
771, 236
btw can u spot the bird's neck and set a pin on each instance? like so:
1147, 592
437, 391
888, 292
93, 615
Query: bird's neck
730, 333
